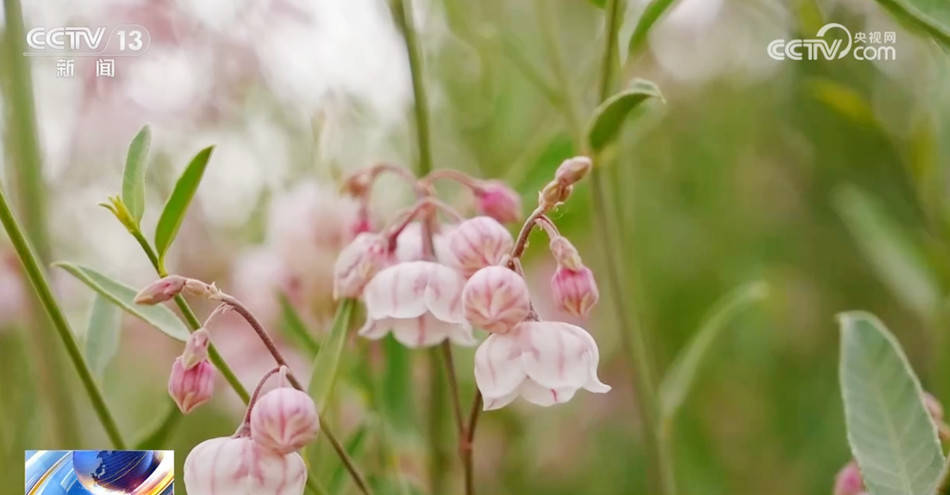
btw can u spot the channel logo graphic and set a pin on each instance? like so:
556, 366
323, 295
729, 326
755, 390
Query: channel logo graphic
100, 472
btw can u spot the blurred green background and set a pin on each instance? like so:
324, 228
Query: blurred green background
826, 179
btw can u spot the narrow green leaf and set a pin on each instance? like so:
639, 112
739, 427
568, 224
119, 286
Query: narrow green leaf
123, 296
396, 388
891, 434
177, 204
682, 373
102, 336
930, 16
328, 360
652, 13
294, 326
897, 260
605, 124
133, 179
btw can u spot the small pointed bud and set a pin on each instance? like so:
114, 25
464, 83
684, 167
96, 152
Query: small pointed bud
496, 299
479, 242
358, 263
191, 387
241, 466
553, 194
196, 348
575, 291
284, 420
848, 481
572, 170
565, 253
197, 288
497, 200
161, 290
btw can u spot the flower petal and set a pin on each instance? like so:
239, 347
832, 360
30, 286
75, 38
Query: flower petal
558, 354
375, 329
398, 291
532, 392
421, 331
498, 365
492, 403
461, 334
443, 295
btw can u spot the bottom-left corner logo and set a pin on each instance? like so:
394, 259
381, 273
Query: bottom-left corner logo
100, 472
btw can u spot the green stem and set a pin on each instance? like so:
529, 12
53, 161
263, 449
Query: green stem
38, 279
403, 12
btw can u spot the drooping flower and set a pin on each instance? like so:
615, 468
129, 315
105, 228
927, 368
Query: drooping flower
409, 245
496, 299
575, 291
545, 362
479, 242
241, 466
358, 263
848, 481
284, 420
420, 302
497, 200
191, 381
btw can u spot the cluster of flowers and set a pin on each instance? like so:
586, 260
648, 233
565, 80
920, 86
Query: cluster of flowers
428, 283
261, 456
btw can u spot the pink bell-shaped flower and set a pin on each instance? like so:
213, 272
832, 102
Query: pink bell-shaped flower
497, 200
409, 243
496, 299
358, 262
479, 242
545, 362
191, 381
420, 301
848, 481
241, 466
575, 291
284, 420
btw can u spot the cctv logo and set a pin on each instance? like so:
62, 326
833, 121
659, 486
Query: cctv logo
66, 39
820, 47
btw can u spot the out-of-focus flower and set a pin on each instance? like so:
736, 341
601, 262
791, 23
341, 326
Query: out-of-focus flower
935, 409
479, 242
497, 200
575, 291
849, 481
191, 381
284, 420
241, 466
420, 301
161, 290
496, 299
545, 362
358, 263
409, 243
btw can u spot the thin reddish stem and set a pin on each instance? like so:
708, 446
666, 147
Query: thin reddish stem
453, 175
245, 428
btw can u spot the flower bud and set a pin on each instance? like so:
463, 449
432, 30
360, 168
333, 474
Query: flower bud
479, 242
161, 290
284, 420
196, 349
496, 299
848, 481
191, 387
498, 201
572, 170
553, 194
241, 466
575, 290
358, 263
565, 253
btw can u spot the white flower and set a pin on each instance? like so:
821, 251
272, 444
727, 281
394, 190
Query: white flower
545, 362
241, 466
420, 301
409, 243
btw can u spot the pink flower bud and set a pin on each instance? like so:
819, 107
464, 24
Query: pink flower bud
848, 481
161, 290
572, 170
241, 466
575, 290
498, 201
358, 263
565, 253
284, 420
191, 382
479, 242
496, 299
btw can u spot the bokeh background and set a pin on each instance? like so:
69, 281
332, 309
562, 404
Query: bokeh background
826, 180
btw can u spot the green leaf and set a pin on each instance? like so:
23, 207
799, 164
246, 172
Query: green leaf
354, 445
897, 260
930, 16
605, 124
891, 434
396, 388
682, 373
123, 296
294, 326
133, 179
328, 359
177, 204
652, 13
102, 335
